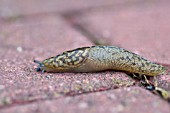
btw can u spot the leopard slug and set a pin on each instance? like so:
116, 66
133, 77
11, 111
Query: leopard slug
100, 58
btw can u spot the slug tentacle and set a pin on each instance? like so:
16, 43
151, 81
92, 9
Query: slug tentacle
40, 66
99, 58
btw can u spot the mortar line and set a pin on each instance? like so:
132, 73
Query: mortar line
17, 102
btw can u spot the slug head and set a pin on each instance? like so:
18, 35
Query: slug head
40, 66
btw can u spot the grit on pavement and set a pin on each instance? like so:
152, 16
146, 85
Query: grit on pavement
38, 29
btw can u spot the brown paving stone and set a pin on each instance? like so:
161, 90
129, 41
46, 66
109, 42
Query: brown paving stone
129, 100
15, 8
38, 38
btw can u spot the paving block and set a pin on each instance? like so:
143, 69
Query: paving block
123, 100
140, 27
38, 38
12, 9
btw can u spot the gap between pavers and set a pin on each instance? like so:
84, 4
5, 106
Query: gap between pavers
129, 100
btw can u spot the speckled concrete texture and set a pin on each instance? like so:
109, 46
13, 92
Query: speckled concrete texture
121, 100
40, 29
14, 8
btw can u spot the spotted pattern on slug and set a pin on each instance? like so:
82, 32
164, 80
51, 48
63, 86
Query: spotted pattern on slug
68, 59
99, 58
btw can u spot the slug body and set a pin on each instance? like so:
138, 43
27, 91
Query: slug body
99, 58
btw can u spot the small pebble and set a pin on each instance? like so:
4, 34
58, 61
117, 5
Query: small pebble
48, 77
19, 49
2, 87
83, 105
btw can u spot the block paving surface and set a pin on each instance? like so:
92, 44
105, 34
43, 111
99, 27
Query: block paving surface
40, 29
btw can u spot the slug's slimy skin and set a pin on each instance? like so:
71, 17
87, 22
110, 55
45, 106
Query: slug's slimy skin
99, 58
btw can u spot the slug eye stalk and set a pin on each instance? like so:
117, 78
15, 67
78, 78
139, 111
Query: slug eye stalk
40, 66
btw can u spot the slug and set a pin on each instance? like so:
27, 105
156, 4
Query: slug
100, 58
